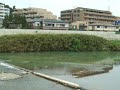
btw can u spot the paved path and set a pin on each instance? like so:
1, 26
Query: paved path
107, 35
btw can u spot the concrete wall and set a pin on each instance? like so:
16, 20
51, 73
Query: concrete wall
107, 35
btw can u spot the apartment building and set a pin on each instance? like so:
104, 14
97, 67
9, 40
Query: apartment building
87, 14
3, 11
35, 13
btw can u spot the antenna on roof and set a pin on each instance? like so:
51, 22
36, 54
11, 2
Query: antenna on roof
74, 7
109, 8
29, 3
108, 5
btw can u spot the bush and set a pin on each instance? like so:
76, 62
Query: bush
114, 45
51, 42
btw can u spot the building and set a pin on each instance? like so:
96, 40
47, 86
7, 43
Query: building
103, 27
87, 14
35, 13
3, 12
79, 25
84, 25
48, 24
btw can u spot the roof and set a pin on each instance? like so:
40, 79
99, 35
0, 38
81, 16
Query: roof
46, 20
93, 9
87, 9
103, 24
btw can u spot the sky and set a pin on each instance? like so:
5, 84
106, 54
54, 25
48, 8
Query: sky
56, 6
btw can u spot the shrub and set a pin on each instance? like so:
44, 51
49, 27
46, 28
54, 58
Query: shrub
114, 45
51, 42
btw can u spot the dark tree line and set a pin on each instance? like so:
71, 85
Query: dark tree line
16, 20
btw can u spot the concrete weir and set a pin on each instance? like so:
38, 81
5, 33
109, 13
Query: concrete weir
62, 82
59, 81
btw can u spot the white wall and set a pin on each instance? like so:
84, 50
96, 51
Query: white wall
103, 28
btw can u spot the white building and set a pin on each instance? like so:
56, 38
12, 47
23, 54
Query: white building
3, 12
84, 25
103, 27
48, 24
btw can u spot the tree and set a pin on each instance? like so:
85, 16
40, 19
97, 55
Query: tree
17, 20
14, 7
5, 22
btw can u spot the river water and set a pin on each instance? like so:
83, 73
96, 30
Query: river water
27, 82
106, 81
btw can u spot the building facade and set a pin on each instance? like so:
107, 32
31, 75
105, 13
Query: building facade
84, 25
103, 27
3, 12
87, 14
79, 25
48, 24
35, 13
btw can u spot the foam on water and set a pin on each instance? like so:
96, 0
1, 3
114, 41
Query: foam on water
7, 65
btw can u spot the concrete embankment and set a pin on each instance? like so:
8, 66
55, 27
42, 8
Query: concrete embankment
107, 35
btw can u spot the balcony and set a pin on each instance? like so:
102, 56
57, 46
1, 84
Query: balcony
101, 18
92, 13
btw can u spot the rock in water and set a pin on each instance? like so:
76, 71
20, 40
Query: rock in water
8, 76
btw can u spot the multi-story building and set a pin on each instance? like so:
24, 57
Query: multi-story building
3, 11
86, 14
35, 13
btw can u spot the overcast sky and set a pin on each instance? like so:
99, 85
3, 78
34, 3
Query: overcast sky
57, 5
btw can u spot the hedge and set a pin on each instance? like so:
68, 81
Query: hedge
51, 42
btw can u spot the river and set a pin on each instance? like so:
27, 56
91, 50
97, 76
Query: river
62, 70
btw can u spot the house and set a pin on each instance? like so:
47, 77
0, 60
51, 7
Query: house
79, 25
103, 27
48, 24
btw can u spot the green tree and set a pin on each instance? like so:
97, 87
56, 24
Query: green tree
18, 20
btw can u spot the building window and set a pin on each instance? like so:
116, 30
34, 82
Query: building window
63, 25
98, 26
74, 15
78, 11
105, 26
